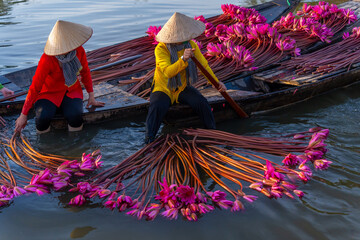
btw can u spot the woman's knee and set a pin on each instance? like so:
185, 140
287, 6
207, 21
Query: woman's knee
44, 112
42, 124
159, 101
73, 110
74, 119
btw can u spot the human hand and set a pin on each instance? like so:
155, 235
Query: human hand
6, 92
20, 123
188, 53
92, 102
222, 87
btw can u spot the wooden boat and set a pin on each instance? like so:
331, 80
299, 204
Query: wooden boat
122, 105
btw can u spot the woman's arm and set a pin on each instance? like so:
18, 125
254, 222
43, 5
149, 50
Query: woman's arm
163, 62
42, 71
87, 80
200, 57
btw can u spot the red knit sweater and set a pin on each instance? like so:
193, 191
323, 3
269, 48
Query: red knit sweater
49, 82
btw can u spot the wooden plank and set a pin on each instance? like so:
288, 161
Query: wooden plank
12, 87
4, 80
213, 95
274, 75
101, 90
113, 97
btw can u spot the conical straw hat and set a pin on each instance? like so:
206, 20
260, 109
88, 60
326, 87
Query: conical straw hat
180, 28
65, 37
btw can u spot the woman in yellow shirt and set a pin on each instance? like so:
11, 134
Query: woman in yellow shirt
175, 72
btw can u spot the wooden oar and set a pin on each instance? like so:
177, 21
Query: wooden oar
231, 101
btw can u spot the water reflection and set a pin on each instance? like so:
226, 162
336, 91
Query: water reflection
81, 232
5, 8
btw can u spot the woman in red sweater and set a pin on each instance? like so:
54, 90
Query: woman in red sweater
55, 86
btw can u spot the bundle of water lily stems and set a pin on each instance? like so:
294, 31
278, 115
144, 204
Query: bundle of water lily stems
166, 177
239, 40
37, 172
338, 56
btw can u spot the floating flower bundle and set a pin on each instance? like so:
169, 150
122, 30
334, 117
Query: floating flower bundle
341, 55
328, 14
167, 176
40, 173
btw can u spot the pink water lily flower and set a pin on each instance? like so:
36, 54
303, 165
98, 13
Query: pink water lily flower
60, 184
288, 185
4, 201
237, 206
79, 200
103, 193
290, 160
18, 191
200, 18
42, 191
270, 172
152, 211
299, 193
221, 32
217, 196
303, 167
305, 176
322, 164
171, 213
256, 186
110, 204
186, 194
83, 187
314, 154
167, 192
225, 204
151, 215
98, 163
316, 143
250, 198
204, 208
200, 45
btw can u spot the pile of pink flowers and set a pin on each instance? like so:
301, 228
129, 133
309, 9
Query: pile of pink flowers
262, 44
274, 185
328, 14
305, 31
47, 180
152, 32
190, 201
247, 16
319, 22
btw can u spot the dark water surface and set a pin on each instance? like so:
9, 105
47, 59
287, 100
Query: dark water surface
329, 210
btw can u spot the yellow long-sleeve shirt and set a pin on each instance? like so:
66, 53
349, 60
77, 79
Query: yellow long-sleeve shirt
165, 70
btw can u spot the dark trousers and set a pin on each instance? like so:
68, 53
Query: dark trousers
71, 108
160, 103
